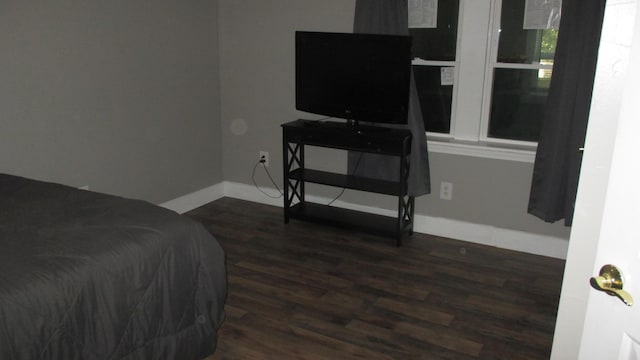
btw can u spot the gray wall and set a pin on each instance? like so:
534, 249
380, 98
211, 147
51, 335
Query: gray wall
257, 73
257, 79
119, 95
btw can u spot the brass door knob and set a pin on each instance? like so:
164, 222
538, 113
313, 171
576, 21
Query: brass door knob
610, 281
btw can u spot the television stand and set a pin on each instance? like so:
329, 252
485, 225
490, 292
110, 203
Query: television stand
395, 142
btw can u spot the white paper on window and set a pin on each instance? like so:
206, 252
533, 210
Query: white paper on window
423, 13
542, 14
446, 76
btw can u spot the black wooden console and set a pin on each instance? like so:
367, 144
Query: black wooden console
396, 142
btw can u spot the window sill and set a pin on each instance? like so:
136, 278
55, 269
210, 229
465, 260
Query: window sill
482, 149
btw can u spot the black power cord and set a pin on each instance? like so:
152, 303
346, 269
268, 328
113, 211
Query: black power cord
263, 160
266, 170
343, 189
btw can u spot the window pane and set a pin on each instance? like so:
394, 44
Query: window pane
438, 43
435, 99
518, 45
517, 103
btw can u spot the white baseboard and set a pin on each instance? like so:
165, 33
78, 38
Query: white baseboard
195, 199
522, 241
455, 229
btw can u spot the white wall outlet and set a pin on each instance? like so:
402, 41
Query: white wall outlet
446, 190
263, 157
85, 187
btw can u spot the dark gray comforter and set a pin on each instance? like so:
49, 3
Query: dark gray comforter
85, 275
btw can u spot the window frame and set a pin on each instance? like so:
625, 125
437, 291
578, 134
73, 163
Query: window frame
476, 58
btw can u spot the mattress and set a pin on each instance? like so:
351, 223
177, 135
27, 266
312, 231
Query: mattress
85, 275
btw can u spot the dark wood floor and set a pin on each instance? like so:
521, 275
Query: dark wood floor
304, 291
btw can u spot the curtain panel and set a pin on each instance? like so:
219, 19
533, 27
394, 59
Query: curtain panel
558, 158
391, 17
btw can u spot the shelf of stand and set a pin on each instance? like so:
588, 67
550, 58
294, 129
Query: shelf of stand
345, 218
346, 181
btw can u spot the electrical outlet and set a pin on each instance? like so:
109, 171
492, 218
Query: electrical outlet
85, 187
446, 190
263, 157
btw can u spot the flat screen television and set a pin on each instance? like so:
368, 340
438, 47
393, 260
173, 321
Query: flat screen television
361, 77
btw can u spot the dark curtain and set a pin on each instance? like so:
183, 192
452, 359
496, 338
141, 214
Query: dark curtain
557, 165
391, 17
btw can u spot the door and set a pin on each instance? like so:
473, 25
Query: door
606, 224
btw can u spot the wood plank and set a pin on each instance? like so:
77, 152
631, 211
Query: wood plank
305, 291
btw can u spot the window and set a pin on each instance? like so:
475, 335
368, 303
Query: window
521, 67
483, 70
434, 50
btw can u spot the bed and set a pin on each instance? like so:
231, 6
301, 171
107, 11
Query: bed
85, 275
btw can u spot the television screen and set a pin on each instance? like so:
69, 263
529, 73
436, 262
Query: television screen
362, 77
